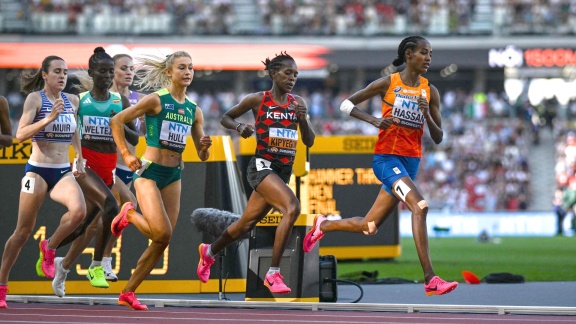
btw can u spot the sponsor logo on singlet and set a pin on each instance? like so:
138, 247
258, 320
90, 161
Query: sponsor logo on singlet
280, 115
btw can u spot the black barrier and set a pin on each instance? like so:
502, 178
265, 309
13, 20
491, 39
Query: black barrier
327, 279
300, 270
176, 271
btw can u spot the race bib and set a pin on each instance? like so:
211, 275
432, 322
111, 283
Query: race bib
173, 134
62, 128
407, 113
262, 164
96, 128
28, 184
282, 141
402, 190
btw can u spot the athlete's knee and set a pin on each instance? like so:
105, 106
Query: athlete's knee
87, 223
421, 209
77, 214
293, 211
21, 235
110, 210
370, 228
162, 237
423, 205
91, 229
229, 235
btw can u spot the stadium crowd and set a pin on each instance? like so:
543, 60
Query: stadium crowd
305, 17
370, 17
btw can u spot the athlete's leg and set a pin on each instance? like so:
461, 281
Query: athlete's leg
99, 197
123, 194
30, 202
68, 193
92, 187
110, 211
407, 191
148, 195
419, 208
160, 210
82, 241
381, 209
256, 209
277, 194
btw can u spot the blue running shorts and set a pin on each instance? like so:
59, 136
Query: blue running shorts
124, 173
389, 168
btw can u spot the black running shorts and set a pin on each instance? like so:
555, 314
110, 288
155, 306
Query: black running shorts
259, 168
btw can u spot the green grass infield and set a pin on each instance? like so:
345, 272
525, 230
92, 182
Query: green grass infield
535, 258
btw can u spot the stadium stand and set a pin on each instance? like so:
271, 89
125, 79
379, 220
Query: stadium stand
297, 17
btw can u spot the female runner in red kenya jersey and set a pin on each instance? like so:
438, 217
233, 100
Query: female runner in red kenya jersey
278, 114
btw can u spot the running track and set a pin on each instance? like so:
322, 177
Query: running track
57, 313
531, 302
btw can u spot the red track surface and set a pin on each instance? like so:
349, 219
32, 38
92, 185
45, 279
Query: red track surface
55, 313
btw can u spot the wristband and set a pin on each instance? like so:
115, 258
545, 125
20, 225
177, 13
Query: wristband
75, 164
346, 107
239, 124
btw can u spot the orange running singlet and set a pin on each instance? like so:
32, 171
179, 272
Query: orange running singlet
404, 137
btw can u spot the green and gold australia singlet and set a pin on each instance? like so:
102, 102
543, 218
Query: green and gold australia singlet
170, 128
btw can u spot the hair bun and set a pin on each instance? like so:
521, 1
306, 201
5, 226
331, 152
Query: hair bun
99, 49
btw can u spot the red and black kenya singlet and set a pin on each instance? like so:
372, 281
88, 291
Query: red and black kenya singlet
277, 130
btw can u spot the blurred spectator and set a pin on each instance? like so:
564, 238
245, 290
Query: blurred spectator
310, 17
565, 171
558, 206
569, 200
16, 104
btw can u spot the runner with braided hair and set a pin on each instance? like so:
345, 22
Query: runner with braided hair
278, 114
